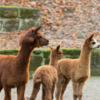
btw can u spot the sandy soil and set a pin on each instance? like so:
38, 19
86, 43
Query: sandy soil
91, 91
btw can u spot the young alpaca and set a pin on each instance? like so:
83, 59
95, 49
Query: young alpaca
77, 70
47, 76
14, 70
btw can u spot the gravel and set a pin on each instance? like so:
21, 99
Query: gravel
91, 91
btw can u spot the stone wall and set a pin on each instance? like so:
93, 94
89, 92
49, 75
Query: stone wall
15, 18
42, 56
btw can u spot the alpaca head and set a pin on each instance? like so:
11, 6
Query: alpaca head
91, 42
56, 53
33, 38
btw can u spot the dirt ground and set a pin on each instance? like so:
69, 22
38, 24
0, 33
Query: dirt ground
91, 91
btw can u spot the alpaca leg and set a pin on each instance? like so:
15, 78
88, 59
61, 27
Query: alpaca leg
47, 85
64, 87
43, 93
7, 93
59, 88
81, 85
75, 90
47, 91
35, 90
53, 88
48, 94
20, 92
1, 87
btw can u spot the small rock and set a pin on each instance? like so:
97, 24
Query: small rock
0, 41
50, 5
59, 37
82, 35
54, 28
47, 32
32, 4
70, 10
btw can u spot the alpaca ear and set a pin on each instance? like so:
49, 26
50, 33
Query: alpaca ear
90, 37
50, 47
57, 48
37, 29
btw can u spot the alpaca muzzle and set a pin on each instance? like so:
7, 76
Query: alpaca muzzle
98, 46
47, 42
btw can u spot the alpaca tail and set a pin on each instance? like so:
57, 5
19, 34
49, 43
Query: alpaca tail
38, 80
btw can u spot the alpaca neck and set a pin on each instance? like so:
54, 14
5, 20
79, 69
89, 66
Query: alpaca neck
23, 57
53, 62
85, 56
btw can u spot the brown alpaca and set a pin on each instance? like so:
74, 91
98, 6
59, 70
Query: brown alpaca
77, 70
47, 76
14, 70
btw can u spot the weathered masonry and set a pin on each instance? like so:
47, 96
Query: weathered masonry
42, 56
16, 18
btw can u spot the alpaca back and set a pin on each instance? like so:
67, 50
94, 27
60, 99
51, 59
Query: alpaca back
67, 67
42, 71
49, 70
5, 61
5, 66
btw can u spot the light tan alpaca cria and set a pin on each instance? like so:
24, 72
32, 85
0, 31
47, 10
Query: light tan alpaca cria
77, 70
47, 76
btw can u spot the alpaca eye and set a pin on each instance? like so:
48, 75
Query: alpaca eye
39, 37
93, 43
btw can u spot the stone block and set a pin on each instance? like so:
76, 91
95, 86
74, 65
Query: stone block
95, 52
38, 22
71, 51
46, 53
1, 23
9, 52
66, 51
35, 62
36, 13
95, 70
9, 12
29, 13
25, 24
71, 56
47, 60
82, 35
37, 52
10, 25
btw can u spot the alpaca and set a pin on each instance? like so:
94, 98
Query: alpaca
14, 70
47, 76
77, 70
